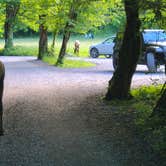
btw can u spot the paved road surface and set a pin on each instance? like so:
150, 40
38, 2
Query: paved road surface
55, 117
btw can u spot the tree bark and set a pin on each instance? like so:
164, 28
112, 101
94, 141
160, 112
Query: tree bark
43, 41
62, 52
11, 12
8, 35
119, 85
66, 36
53, 40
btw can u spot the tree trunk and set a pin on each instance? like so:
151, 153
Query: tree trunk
62, 52
53, 41
66, 36
8, 35
119, 85
43, 41
11, 12
2, 75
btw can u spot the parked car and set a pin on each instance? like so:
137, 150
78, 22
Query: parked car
103, 48
153, 51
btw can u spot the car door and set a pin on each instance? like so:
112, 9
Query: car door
107, 47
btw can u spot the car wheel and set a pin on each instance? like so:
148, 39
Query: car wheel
94, 53
115, 59
151, 62
108, 56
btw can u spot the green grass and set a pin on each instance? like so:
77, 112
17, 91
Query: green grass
145, 93
29, 46
67, 63
20, 51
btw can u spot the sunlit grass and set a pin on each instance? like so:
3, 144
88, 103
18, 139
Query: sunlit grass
67, 63
147, 94
29, 47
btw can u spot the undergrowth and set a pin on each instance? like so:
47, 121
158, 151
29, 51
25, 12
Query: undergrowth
153, 129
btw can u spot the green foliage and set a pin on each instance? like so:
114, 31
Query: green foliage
90, 14
153, 13
147, 94
2, 18
95, 13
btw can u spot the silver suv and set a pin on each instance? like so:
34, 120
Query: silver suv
153, 51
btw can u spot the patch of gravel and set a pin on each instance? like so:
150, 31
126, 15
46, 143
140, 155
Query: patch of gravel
56, 116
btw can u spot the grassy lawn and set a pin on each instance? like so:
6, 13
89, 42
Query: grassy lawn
29, 47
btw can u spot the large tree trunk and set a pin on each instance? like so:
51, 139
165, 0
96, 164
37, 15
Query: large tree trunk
119, 85
11, 12
2, 75
43, 41
66, 36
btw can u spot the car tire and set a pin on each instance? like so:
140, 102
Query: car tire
151, 62
115, 60
108, 56
94, 53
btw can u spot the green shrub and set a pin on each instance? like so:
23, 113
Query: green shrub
148, 94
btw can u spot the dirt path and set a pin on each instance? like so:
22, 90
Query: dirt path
55, 117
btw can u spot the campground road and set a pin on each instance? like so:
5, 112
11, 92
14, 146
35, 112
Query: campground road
53, 117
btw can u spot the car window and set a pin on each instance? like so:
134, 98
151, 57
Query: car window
162, 36
154, 36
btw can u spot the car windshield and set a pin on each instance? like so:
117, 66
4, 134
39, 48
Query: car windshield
154, 36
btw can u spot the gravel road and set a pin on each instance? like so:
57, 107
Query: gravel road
55, 117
